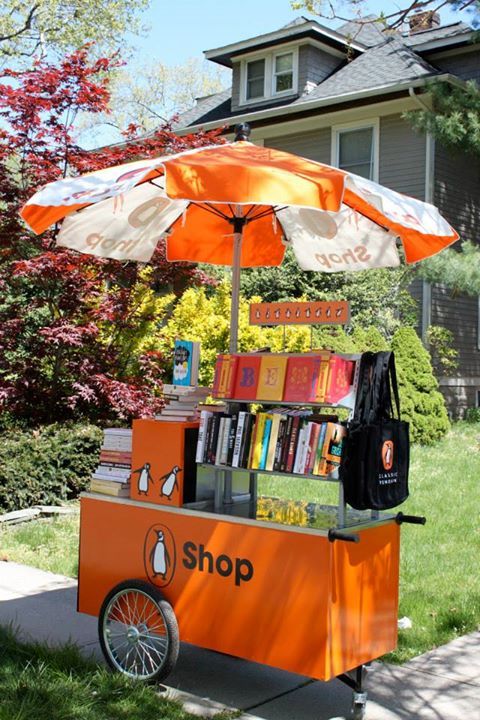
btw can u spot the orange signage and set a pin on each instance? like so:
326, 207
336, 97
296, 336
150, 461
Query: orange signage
285, 597
300, 313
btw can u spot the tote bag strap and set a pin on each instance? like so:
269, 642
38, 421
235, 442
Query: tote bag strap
392, 380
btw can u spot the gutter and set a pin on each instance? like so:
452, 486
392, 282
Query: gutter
322, 102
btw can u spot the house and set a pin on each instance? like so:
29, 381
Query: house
337, 96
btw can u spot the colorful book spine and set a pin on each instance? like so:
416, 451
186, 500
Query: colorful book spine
312, 448
272, 443
238, 439
318, 453
202, 435
257, 441
225, 374
265, 442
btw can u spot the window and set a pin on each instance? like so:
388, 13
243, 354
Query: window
269, 76
283, 73
255, 79
355, 149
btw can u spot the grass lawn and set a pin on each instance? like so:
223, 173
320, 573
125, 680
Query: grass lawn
440, 582
45, 684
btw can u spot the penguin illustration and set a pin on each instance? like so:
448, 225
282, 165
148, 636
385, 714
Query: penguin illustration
170, 482
159, 557
144, 478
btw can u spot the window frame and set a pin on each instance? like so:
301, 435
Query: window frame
270, 75
371, 123
265, 75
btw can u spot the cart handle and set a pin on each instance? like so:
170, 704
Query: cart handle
346, 537
413, 519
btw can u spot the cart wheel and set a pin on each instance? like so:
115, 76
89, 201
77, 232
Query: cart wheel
359, 705
138, 631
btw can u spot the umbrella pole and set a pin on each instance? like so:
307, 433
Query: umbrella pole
237, 252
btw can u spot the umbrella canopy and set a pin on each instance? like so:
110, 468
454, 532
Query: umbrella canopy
238, 204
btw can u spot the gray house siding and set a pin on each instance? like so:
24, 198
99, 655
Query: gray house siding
315, 145
314, 66
402, 157
458, 201
459, 314
464, 65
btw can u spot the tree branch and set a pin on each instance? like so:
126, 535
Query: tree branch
27, 26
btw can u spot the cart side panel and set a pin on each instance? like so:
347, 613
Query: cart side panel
238, 588
364, 599
163, 463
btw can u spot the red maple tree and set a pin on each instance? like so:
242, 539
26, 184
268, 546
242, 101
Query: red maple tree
54, 364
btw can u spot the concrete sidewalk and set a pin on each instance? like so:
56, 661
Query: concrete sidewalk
443, 684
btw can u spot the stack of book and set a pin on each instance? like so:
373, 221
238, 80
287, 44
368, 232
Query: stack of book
182, 403
112, 476
281, 440
318, 377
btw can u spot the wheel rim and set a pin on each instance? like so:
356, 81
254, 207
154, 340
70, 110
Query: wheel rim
135, 634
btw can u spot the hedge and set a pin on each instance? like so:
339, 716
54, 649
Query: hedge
46, 466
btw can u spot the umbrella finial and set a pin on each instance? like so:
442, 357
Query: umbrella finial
242, 131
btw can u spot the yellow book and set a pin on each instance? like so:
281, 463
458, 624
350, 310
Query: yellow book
271, 380
257, 447
276, 418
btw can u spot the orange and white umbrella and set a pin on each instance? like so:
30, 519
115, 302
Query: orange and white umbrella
238, 204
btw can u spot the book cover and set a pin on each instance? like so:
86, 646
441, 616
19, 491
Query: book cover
333, 451
329, 432
312, 448
265, 442
257, 441
219, 443
225, 437
225, 373
301, 378
202, 435
238, 439
340, 379
292, 447
231, 439
208, 440
319, 451
280, 440
271, 379
246, 383
247, 439
185, 362
272, 443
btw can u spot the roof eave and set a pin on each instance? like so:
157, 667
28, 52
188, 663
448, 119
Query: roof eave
223, 54
322, 102
444, 43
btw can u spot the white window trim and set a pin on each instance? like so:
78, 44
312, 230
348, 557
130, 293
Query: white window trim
337, 130
268, 86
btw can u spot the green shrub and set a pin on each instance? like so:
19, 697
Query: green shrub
46, 466
472, 415
422, 404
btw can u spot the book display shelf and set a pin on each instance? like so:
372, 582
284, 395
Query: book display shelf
281, 419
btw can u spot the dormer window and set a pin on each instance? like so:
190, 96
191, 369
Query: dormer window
255, 79
283, 73
269, 76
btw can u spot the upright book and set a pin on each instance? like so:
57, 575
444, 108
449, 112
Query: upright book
186, 355
225, 373
272, 377
246, 382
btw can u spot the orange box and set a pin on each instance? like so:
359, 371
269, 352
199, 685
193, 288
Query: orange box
286, 597
163, 461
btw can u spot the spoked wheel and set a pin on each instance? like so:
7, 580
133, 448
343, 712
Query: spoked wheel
138, 631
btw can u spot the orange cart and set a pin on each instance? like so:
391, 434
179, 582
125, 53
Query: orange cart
224, 574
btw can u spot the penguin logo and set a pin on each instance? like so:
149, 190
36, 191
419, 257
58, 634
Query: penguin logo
169, 482
159, 555
144, 478
387, 454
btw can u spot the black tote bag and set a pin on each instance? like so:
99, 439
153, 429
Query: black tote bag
375, 462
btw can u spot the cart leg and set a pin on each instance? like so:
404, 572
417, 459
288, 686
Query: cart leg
355, 680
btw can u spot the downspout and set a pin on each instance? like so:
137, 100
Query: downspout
426, 320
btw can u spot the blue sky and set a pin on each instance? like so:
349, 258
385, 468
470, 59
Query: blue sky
183, 29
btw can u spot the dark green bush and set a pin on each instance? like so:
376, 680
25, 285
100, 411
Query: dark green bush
46, 466
422, 405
